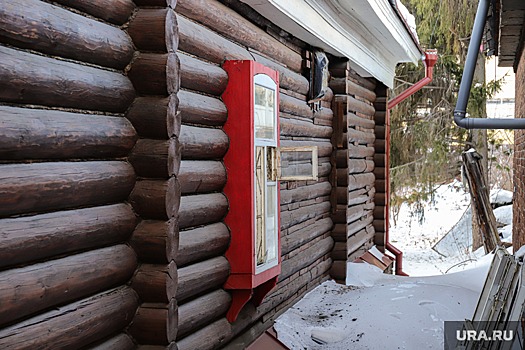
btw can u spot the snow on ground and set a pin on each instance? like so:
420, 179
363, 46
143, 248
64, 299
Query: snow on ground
377, 311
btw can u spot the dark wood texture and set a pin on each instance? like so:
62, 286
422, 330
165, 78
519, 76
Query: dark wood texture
31, 238
207, 338
155, 117
201, 109
74, 325
155, 73
154, 30
156, 158
33, 79
156, 242
201, 76
47, 134
202, 311
119, 342
156, 199
202, 143
202, 277
36, 25
155, 283
36, 287
155, 324
113, 11
198, 176
202, 243
202, 209
38, 187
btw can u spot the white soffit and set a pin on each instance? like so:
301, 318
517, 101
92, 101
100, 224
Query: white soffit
368, 32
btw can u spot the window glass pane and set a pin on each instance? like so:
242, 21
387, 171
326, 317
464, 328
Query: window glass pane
264, 112
260, 236
297, 163
271, 223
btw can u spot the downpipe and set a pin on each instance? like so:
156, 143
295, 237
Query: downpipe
431, 57
466, 82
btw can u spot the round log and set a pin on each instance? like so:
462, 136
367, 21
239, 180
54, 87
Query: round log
202, 209
201, 109
155, 117
197, 313
201, 277
76, 325
293, 127
287, 79
305, 192
154, 30
294, 106
198, 176
38, 187
32, 238
33, 79
201, 76
156, 242
36, 287
119, 342
202, 243
113, 11
156, 158
207, 44
161, 3
155, 324
202, 143
155, 74
156, 199
36, 25
46, 134
222, 19
355, 105
208, 337
155, 283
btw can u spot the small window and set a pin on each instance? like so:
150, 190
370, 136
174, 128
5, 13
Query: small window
297, 163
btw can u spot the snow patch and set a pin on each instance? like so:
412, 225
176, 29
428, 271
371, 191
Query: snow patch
500, 197
504, 215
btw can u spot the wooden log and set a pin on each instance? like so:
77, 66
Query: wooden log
36, 287
360, 151
32, 79
202, 243
362, 195
154, 30
380, 212
121, 341
379, 239
200, 176
338, 270
36, 25
113, 11
380, 131
324, 148
156, 158
380, 117
380, 185
338, 68
202, 311
380, 145
155, 73
293, 217
302, 237
306, 192
354, 120
288, 79
75, 325
155, 324
368, 83
379, 225
45, 134
348, 87
291, 127
379, 172
380, 160
156, 242
155, 117
207, 338
156, 199
155, 283
306, 257
357, 226
222, 19
354, 181
294, 106
360, 239
161, 3
202, 143
360, 137
201, 277
202, 209
201, 76
355, 105
360, 166
31, 238
37, 187
340, 251
207, 44
381, 103
201, 109
380, 199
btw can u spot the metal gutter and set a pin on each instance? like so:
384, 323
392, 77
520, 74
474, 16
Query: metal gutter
466, 82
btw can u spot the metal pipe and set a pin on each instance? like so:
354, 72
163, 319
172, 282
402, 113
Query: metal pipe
468, 75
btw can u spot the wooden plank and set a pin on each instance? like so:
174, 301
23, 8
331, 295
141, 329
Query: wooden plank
201, 277
202, 209
113, 11
46, 134
38, 187
154, 30
75, 325
36, 25
33, 79
32, 238
33, 288
202, 243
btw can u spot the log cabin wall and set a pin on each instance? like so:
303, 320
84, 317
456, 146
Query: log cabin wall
210, 33
380, 160
64, 176
354, 181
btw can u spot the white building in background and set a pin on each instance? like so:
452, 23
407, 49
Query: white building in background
501, 105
